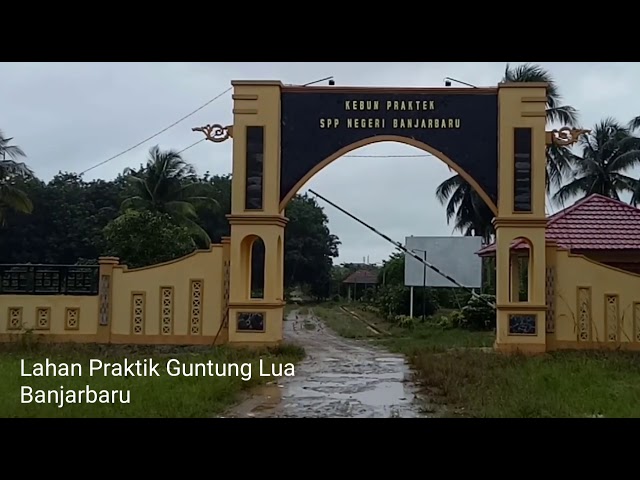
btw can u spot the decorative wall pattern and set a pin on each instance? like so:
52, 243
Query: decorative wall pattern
104, 299
137, 313
550, 299
584, 314
612, 317
636, 321
14, 318
72, 318
43, 318
166, 310
225, 313
195, 318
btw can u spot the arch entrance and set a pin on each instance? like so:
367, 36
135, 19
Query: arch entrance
283, 135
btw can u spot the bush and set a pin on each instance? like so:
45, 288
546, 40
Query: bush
478, 314
370, 308
143, 238
405, 321
451, 298
456, 319
447, 322
395, 300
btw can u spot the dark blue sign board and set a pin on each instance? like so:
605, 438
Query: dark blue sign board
318, 123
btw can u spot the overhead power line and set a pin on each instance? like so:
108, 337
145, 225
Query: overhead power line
192, 145
160, 132
177, 122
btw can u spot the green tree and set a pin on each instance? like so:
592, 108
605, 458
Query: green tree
66, 224
392, 271
471, 214
607, 153
212, 218
168, 184
12, 198
142, 238
69, 217
309, 247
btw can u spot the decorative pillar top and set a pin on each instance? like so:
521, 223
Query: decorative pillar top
254, 83
108, 260
523, 85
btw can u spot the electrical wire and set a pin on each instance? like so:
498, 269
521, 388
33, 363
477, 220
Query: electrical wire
192, 145
160, 132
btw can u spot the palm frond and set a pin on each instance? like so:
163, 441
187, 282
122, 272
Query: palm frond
530, 73
12, 151
15, 199
635, 123
135, 203
572, 189
446, 188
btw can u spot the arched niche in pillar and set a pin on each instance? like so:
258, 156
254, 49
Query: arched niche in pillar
253, 266
521, 270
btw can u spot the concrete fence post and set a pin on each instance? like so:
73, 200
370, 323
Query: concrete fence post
105, 301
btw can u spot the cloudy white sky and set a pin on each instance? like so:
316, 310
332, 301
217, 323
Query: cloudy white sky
71, 116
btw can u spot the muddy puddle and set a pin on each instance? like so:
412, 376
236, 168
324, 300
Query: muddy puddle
338, 378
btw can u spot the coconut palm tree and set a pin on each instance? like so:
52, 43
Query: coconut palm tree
11, 197
462, 202
167, 184
472, 216
607, 153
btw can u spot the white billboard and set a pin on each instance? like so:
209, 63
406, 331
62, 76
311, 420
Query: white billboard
453, 256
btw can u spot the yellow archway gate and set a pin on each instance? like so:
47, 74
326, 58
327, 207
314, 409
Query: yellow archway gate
282, 135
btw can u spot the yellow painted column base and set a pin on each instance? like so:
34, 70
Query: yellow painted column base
254, 315
513, 341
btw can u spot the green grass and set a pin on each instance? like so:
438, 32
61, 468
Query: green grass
472, 382
341, 322
162, 396
559, 385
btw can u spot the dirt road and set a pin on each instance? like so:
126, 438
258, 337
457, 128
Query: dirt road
338, 378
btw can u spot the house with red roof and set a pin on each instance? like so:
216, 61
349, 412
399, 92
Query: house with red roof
600, 228
592, 274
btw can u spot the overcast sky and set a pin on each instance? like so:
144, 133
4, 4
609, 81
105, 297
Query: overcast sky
71, 116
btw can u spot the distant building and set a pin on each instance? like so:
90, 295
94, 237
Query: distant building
366, 277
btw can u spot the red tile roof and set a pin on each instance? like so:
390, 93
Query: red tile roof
593, 223
362, 276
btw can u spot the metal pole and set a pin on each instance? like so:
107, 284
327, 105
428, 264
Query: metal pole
400, 247
424, 287
411, 302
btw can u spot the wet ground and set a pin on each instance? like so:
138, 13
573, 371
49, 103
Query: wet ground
338, 378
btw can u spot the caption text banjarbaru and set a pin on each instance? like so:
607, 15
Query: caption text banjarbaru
138, 368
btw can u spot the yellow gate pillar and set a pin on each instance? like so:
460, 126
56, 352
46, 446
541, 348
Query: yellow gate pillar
521, 216
255, 214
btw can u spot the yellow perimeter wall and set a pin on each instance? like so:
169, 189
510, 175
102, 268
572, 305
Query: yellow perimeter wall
184, 302
179, 302
594, 306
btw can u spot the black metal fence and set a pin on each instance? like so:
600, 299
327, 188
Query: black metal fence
49, 279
